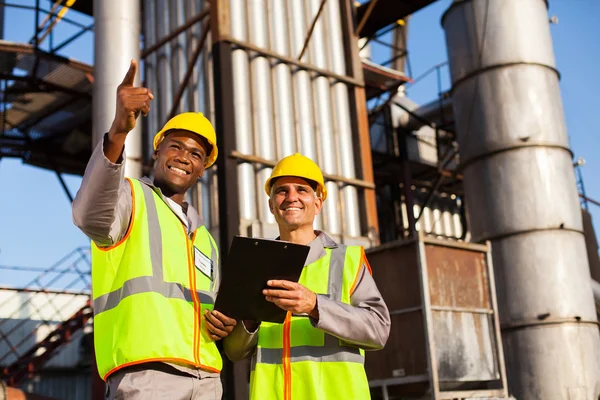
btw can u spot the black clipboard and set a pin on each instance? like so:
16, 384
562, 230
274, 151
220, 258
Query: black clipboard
250, 264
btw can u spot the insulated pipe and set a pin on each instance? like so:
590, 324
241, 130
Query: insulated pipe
164, 100
521, 194
151, 72
305, 122
178, 52
303, 99
283, 110
262, 102
243, 118
341, 107
325, 139
116, 42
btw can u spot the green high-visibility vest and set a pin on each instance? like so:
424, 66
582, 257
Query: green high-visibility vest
296, 361
151, 288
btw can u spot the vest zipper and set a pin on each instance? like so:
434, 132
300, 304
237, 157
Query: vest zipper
195, 300
287, 367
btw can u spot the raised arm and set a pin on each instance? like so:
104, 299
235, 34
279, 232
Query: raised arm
102, 207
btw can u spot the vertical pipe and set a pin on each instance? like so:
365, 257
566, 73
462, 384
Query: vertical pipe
178, 61
342, 118
164, 94
116, 42
303, 99
243, 117
150, 74
325, 136
283, 110
262, 105
521, 194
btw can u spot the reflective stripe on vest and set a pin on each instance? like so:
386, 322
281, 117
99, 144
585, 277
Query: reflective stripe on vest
154, 283
166, 300
329, 370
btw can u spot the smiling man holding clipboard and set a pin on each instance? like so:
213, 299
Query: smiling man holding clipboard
332, 314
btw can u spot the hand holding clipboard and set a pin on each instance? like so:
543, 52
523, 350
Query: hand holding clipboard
249, 265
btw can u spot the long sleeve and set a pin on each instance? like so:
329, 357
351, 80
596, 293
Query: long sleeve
365, 323
240, 343
103, 205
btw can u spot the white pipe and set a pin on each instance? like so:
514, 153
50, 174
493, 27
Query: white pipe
262, 107
283, 115
303, 99
243, 118
327, 154
341, 106
116, 42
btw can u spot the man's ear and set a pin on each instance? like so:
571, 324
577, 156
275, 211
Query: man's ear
271, 207
155, 155
318, 205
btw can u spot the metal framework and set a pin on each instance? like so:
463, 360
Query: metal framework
440, 377
32, 133
45, 297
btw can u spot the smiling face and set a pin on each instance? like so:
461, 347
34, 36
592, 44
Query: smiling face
179, 163
294, 203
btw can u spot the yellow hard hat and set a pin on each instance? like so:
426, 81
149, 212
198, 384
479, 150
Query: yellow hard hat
194, 122
301, 167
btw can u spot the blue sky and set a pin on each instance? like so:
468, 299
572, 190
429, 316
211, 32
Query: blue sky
35, 215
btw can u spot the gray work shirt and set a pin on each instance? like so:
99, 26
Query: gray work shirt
364, 323
102, 210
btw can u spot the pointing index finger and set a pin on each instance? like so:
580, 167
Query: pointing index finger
130, 75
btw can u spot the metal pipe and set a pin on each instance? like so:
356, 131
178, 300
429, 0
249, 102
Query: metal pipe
150, 74
284, 114
164, 100
506, 96
325, 136
262, 101
179, 58
243, 117
341, 105
116, 42
303, 99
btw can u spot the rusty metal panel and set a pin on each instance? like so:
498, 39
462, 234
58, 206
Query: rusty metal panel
457, 277
405, 352
396, 272
465, 346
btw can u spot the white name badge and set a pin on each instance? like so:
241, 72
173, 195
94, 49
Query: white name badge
203, 263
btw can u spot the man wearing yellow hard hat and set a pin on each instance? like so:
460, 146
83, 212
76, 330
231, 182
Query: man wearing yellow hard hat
155, 266
335, 311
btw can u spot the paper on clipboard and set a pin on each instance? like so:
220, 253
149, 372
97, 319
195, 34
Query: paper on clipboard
250, 264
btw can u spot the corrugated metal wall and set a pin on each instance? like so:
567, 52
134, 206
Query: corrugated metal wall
279, 109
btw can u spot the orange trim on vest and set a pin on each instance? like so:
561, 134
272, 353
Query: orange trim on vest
195, 300
365, 262
287, 367
147, 360
130, 221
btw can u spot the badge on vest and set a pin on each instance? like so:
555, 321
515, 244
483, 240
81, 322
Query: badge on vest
203, 263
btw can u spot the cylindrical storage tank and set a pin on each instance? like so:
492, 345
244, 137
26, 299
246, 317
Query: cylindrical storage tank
521, 194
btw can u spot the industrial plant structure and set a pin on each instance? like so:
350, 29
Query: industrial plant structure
468, 205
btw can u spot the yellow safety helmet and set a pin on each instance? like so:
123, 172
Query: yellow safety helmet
301, 167
194, 122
